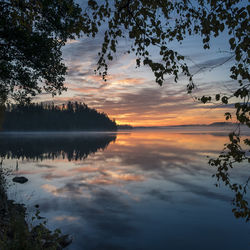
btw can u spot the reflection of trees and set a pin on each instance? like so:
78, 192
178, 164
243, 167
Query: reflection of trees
39, 147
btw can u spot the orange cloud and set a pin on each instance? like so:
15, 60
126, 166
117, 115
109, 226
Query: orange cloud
129, 81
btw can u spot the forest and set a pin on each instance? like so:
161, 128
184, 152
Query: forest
73, 116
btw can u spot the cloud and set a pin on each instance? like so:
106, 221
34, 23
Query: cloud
146, 106
71, 41
131, 95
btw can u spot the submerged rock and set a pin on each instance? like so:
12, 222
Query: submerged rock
20, 179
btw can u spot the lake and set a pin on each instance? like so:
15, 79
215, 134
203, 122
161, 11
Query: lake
138, 189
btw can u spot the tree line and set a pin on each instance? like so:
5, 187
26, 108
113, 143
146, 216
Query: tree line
50, 117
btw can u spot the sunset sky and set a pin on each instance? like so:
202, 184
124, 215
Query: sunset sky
131, 96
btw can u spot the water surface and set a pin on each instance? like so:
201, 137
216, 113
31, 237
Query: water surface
149, 189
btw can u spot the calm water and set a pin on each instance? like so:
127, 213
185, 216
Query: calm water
128, 190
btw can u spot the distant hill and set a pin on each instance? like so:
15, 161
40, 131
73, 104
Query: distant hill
218, 124
221, 124
124, 127
49, 117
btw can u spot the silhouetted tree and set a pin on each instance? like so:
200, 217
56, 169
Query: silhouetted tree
42, 117
158, 23
32, 34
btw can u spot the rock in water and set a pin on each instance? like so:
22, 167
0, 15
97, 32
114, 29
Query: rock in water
20, 179
65, 240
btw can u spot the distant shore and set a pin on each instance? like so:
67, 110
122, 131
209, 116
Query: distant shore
215, 124
213, 127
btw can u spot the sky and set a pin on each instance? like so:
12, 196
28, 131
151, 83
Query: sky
131, 95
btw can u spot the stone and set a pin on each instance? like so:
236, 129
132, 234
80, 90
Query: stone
65, 240
20, 179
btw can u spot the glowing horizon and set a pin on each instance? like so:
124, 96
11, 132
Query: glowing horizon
131, 96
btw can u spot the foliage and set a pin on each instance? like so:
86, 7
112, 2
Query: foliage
157, 24
16, 234
40, 117
32, 34
231, 155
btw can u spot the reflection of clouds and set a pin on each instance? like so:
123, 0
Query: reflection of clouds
160, 195
126, 177
31, 171
51, 176
66, 218
105, 215
113, 178
50, 189
159, 156
45, 166
87, 169
200, 190
69, 189
118, 174
110, 192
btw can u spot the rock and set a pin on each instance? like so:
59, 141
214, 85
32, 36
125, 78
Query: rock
20, 179
65, 240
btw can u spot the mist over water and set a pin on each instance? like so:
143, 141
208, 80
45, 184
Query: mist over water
52, 145
140, 189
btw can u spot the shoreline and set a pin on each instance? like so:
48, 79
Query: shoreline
16, 233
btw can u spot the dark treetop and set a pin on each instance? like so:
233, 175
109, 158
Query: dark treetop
32, 34
39, 117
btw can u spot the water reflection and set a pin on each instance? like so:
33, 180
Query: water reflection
146, 190
41, 146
